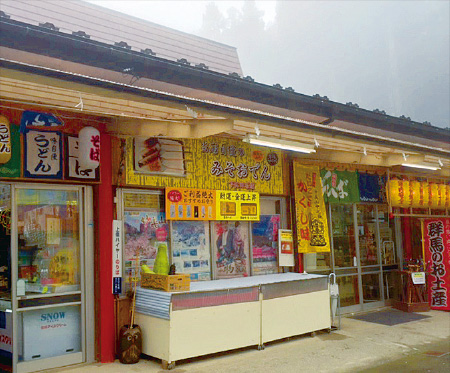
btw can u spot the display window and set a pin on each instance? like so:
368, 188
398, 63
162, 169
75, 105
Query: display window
204, 249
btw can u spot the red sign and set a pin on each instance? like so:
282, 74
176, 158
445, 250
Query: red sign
437, 256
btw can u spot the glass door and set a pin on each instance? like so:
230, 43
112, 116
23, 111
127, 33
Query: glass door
48, 277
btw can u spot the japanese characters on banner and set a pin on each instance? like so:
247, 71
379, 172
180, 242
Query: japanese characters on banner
312, 225
231, 205
5, 140
190, 204
372, 187
437, 256
43, 156
117, 256
340, 186
89, 148
213, 163
419, 194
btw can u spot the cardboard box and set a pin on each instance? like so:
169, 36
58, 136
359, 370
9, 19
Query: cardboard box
179, 282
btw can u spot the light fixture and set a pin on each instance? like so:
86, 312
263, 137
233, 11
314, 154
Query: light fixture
280, 144
423, 165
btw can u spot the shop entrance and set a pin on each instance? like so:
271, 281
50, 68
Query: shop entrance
363, 256
47, 296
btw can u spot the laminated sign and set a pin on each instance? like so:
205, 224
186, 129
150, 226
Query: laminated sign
312, 226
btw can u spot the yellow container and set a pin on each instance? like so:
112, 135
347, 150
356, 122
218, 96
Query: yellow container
180, 282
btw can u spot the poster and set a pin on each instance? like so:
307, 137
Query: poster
312, 225
230, 242
190, 249
141, 229
190, 204
232, 205
265, 245
436, 240
213, 163
340, 186
286, 248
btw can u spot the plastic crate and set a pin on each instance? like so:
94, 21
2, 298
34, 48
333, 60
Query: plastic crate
179, 282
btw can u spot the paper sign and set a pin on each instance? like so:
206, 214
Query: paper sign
286, 248
418, 278
53, 231
43, 154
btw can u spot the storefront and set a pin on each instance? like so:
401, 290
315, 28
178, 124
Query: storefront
47, 251
218, 206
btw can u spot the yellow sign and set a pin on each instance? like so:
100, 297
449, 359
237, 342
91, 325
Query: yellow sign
141, 200
232, 205
190, 204
212, 163
53, 231
312, 225
418, 194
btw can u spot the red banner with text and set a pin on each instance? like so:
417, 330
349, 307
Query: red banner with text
437, 256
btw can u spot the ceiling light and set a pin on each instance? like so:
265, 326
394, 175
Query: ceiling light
426, 166
279, 144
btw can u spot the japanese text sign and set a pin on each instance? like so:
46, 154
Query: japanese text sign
340, 186
74, 169
190, 204
5, 140
43, 154
312, 225
213, 163
437, 256
233, 205
117, 256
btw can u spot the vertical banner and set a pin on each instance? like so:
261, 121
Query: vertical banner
117, 256
286, 248
312, 225
437, 256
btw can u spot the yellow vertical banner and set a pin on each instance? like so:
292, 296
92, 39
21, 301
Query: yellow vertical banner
312, 225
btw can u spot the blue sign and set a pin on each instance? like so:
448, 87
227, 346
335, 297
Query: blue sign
117, 285
36, 119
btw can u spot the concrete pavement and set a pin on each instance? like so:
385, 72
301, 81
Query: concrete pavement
357, 346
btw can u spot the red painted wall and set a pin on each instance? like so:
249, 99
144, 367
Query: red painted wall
103, 207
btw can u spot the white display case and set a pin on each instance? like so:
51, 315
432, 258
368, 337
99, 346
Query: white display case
221, 315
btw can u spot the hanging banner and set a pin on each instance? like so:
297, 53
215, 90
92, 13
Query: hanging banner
231, 205
215, 163
372, 187
13, 166
418, 194
286, 248
43, 154
340, 186
437, 256
190, 204
312, 225
34, 119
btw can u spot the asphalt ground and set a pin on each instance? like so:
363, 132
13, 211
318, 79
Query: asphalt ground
359, 346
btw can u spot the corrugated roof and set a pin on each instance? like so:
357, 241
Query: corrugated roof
109, 26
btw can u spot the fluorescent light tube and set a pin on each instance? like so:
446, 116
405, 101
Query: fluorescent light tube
421, 165
280, 144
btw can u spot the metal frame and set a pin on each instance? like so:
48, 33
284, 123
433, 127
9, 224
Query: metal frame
86, 258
